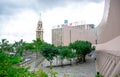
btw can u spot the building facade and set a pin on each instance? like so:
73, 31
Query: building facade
68, 34
57, 36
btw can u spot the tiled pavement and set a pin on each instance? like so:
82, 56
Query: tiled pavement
80, 70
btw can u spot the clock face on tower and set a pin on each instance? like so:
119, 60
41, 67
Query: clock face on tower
39, 26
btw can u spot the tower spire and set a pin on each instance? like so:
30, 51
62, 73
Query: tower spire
39, 31
40, 19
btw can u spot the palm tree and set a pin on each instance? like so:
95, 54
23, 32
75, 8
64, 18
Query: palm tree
10, 48
19, 47
36, 48
37, 44
4, 44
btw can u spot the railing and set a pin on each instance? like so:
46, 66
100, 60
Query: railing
108, 64
26, 63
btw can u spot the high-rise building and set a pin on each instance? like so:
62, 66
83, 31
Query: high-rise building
68, 34
39, 30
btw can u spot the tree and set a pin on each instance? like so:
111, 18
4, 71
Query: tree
71, 54
86, 48
82, 48
4, 44
16, 47
42, 73
19, 47
7, 65
49, 52
8, 68
64, 53
37, 45
10, 48
28, 46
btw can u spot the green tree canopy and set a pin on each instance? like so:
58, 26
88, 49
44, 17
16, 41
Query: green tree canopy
49, 51
37, 45
82, 48
65, 53
4, 45
9, 69
19, 47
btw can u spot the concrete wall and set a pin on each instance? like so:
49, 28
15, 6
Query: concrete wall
108, 50
109, 27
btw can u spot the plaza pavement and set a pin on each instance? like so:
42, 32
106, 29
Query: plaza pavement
76, 70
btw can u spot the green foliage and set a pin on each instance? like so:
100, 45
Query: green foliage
82, 48
100, 75
63, 52
116, 75
41, 73
7, 68
15, 59
8, 63
49, 51
4, 45
19, 47
37, 45
53, 73
28, 46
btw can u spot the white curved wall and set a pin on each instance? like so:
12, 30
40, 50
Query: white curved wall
109, 27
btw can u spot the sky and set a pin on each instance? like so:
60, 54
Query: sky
19, 18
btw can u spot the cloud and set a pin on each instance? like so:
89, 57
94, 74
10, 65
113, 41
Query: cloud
21, 25
11, 6
18, 18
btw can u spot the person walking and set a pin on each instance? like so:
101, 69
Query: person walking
98, 75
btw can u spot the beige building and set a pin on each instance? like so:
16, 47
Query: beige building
39, 30
57, 36
67, 34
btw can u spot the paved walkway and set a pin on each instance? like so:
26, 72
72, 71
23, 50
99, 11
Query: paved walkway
80, 70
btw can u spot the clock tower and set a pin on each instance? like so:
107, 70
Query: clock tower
39, 30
